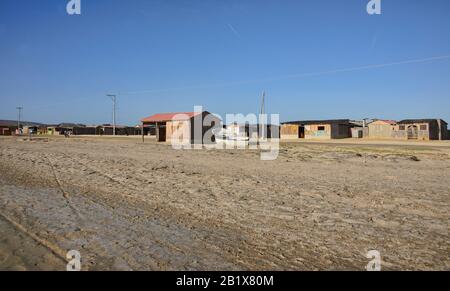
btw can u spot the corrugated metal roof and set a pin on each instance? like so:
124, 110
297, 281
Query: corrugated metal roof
309, 122
160, 117
410, 121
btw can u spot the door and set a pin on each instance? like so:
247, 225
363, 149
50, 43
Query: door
413, 132
301, 132
161, 132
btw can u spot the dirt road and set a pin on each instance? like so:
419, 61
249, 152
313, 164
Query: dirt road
125, 205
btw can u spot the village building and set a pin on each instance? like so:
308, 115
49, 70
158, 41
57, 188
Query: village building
422, 129
9, 127
358, 128
81, 129
317, 129
410, 129
108, 129
168, 126
7, 130
27, 130
72, 128
383, 129
253, 130
51, 130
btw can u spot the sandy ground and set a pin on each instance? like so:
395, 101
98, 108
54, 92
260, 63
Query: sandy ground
125, 205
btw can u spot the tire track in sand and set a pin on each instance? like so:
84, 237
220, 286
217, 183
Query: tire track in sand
54, 249
172, 246
64, 192
134, 189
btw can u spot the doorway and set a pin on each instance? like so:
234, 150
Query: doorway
413, 132
301, 132
161, 132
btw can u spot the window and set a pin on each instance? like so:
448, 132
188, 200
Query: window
402, 127
423, 127
321, 128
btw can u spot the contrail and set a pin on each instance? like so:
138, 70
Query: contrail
270, 79
234, 30
294, 76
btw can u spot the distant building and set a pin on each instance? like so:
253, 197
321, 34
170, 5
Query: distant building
9, 127
317, 129
7, 130
410, 129
423, 129
108, 129
81, 129
166, 124
253, 130
72, 128
51, 130
383, 129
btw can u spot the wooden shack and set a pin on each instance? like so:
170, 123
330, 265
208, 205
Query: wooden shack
422, 129
181, 126
316, 129
383, 129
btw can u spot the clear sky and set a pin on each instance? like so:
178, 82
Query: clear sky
168, 55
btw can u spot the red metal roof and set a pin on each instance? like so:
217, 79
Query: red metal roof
161, 117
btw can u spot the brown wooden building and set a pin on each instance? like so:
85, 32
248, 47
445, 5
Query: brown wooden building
7, 130
316, 129
422, 129
382, 129
168, 126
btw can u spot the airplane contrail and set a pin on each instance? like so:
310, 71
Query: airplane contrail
234, 31
295, 76
276, 78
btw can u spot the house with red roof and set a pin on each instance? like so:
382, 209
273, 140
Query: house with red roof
184, 127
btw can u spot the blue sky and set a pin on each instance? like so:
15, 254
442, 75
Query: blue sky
164, 56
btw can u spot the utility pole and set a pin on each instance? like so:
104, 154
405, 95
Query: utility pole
262, 125
365, 122
262, 109
114, 99
20, 108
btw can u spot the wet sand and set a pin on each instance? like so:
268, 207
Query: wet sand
125, 205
